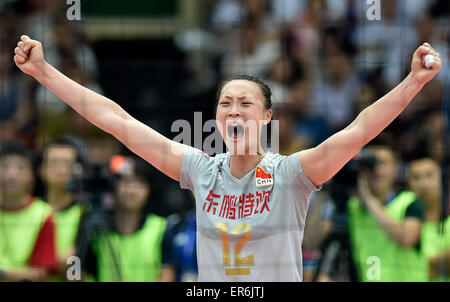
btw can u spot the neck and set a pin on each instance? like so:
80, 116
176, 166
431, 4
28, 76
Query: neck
59, 198
240, 165
382, 195
14, 201
126, 221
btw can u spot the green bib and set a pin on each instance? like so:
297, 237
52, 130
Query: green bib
66, 231
434, 242
67, 223
133, 257
377, 257
19, 231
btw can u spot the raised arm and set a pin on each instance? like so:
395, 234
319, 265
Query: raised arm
163, 153
324, 161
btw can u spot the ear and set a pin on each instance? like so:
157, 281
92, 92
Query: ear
267, 116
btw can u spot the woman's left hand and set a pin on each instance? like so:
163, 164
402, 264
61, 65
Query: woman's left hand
418, 70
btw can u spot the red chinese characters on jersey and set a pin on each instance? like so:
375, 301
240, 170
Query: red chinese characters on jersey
211, 203
228, 208
240, 212
236, 207
249, 204
262, 198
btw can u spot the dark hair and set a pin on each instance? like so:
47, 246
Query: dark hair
143, 171
140, 168
18, 149
387, 141
265, 89
68, 141
421, 150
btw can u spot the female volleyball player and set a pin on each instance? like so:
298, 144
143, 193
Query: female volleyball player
250, 205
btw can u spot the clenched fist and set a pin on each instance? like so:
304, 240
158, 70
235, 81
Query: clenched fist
418, 69
29, 56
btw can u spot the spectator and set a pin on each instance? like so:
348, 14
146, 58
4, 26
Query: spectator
386, 223
287, 10
427, 29
68, 40
414, 10
258, 11
288, 139
337, 11
314, 73
251, 52
27, 243
15, 100
312, 129
60, 160
426, 130
425, 180
226, 13
374, 41
41, 17
281, 75
334, 92
131, 250
317, 228
306, 29
56, 117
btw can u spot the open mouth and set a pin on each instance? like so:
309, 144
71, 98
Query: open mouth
235, 131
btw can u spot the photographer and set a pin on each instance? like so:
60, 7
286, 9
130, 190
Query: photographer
385, 224
128, 246
376, 228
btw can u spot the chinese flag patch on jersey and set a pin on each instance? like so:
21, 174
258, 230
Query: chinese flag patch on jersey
262, 178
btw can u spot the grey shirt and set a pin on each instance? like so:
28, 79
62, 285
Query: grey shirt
248, 229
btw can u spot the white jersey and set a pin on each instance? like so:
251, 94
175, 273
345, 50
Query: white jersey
248, 229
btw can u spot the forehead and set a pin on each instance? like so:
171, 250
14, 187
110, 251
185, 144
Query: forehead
382, 152
241, 87
15, 159
132, 178
60, 149
423, 166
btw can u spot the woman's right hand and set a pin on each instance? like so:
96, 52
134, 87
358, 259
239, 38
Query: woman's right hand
164, 154
29, 56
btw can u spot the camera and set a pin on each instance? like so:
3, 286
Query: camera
337, 258
91, 186
345, 183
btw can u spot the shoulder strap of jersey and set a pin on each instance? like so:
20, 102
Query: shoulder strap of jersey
220, 161
268, 162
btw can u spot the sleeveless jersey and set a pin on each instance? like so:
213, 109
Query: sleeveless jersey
434, 242
376, 255
67, 224
248, 229
132, 257
19, 232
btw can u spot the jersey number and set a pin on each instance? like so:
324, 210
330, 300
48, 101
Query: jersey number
249, 260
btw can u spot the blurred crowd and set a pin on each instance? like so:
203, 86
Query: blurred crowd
68, 189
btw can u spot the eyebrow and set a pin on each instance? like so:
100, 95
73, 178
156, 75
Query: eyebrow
239, 97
